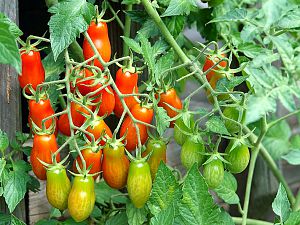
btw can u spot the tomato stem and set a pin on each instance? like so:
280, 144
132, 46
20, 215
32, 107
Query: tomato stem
127, 29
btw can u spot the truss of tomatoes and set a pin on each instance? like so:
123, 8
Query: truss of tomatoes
92, 101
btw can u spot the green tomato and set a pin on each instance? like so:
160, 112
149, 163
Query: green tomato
213, 173
179, 136
159, 153
139, 183
192, 151
232, 113
58, 187
238, 158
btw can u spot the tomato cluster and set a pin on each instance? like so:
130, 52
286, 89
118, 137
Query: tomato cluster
92, 96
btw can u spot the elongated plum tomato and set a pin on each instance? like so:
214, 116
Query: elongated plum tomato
39, 111
76, 110
139, 183
143, 114
126, 82
170, 97
92, 159
192, 151
159, 153
64, 125
32, 69
105, 97
43, 146
115, 165
58, 187
98, 33
232, 113
237, 157
81, 199
97, 128
213, 173
209, 62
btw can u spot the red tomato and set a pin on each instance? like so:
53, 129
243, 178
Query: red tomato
209, 62
32, 69
98, 127
39, 111
99, 35
141, 113
77, 118
126, 82
43, 146
170, 97
64, 125
91, 158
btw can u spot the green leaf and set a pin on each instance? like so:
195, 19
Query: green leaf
47, 222
13, 28
70, 18
281, 204
2, 165
4, 141
232, 16
33, 184
291, 19
4, 219
225, 84
285, 50
294, 219
135, 216
132, 44
175, 24
130, 2
272, 10
293, 157
216, 125
278, 135
52, 71
15, 189
295, 141
180, 7
251, 50
249, 32
165, 217
21, 166
120, 219
165, 191
104, 194
226, 190
139, 16
226, 218
16, 221
202, 17
147, 51
9, 52
163, 63
163, 2
197, 205
162, 120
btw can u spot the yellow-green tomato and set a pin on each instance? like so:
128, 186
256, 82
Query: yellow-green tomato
237, 157
232, 113
58, 187
139, 183
81, 198
213, 173
192, 151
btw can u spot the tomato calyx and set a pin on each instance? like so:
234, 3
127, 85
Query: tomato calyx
43, 131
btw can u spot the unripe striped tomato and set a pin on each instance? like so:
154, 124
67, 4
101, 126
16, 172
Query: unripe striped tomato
139, 183
58, 187
82, 198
